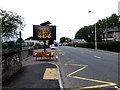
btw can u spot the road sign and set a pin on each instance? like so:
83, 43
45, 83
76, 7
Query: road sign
44, 32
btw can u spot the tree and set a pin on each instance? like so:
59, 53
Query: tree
87, 32
62, 39
18, 40
50, 42
113, 20
11, 24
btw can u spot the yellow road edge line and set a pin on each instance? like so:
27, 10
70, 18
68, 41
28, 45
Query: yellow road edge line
88, 79
76, 71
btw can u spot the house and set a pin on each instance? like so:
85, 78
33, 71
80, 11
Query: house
78, 41
111, 34
30, 40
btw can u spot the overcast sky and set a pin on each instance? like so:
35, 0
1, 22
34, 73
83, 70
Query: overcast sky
68, 15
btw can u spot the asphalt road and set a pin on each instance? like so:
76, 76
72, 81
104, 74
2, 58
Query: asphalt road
80, 68
87, 68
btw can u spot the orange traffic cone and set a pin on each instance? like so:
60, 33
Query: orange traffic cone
56, 58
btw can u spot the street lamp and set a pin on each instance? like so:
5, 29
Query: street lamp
95, 29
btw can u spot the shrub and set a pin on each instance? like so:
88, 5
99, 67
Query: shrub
109, 46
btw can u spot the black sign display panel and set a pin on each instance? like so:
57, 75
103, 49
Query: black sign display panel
44, 32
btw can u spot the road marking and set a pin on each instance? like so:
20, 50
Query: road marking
75, 65
59, 76
61, 53
82, 52
69, 61
50, 73
91, 51
115, 53
69, 75
104, 83
117, 87
97, 57
97, 86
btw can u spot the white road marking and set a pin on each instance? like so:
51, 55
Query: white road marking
69, 61
91, 51
82, 52
97, 57
59, 76
115, 53
117, 87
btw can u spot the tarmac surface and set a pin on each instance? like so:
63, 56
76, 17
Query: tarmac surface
32, 77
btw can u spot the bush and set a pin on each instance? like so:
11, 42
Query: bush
109, 46
87, 45
69, 44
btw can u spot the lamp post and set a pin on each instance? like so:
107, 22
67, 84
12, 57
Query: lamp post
95, 29
106, 29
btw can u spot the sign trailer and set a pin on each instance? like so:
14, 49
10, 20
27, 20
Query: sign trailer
44, 33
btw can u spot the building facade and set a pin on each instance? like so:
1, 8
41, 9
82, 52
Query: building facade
111, 34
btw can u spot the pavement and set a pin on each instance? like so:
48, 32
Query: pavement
35, 75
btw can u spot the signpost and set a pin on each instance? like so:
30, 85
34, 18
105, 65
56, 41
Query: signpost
119, 10
44, 33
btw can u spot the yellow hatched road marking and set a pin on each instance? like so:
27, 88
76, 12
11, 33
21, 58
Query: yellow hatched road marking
93, 87
104, 83
50, 73
99, 86
89, 79
69, 75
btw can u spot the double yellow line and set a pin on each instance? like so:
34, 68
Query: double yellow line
104, 83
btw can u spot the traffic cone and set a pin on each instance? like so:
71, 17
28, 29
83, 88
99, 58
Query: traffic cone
56, 58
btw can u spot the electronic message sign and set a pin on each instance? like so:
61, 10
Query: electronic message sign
44, 32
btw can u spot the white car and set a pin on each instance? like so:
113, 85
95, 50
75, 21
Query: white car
52, 47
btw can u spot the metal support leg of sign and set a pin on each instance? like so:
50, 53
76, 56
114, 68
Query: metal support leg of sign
44, 45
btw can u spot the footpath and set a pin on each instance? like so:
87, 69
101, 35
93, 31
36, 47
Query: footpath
35, 75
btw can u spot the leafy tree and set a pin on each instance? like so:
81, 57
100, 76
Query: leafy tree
87, 32
113, 20
11, 24
50, 42
65, 39
62, 39
18, 40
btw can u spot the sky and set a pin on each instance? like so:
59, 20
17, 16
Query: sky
68, 15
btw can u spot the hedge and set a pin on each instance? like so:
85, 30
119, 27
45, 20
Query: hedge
108, 46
